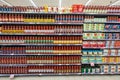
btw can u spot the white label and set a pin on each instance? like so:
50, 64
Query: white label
41, 70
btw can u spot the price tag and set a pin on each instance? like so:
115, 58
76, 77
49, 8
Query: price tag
12, 53
92, 64
40, 74
11, 76
60, 64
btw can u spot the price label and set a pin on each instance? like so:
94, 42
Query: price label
11, 76
92, 64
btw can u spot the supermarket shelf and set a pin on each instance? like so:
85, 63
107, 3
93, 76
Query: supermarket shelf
95, 14
42, 34
7, 75
102, 22
43, 74
100, 73
46, 23
40, 44
38, 64
11, 12
102, 63
105, 31
102, 14
101, 55
93, 48
91, 55
37, 54
112, 48
101, 39
101, 48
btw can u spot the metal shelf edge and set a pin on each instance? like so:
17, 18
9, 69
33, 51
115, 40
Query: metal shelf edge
38, 64
36, 54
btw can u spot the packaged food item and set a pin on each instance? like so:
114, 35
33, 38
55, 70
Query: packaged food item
86, 44
86, 36
97, 27
92, 59
93, 70
95, 44
97, 70
114, 27
113, 52
107, 27
85, 59
77, 8
95, 52
110, 36
86, 27
101, 27
98, 59
88, 69
105, 52
105, 59
100, 52
105, 69
101, 36
94, 35
118, 69
112, 59
119, 52
85, 52
101, 44
113, 68
117, 36
109, 44
90, 52
83, 70
112, 45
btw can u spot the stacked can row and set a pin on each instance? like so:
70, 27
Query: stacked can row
39, 69
40, 59
43, 29
41, 50
41, 18
40, 39
102, 69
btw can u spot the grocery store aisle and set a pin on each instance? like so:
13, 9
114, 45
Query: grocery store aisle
117, 77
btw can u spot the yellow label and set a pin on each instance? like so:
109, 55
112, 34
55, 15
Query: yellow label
3, 31
80, 41
24, 20
15, 31
55, 51
117, 59
0, 29
111, 60
103, 59
39, 20
55, 42
20, 31
52, 20
48, 20
69, 51
10, 31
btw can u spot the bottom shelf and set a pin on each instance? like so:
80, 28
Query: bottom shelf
52, 74
59, 74
100, 73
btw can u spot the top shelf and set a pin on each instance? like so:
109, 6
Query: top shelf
37, 12
96, 14
42, 23
102, 14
